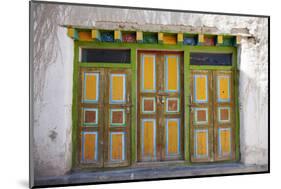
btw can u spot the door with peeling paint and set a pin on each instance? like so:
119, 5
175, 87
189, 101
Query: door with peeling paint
212, 116
160, 110
105, 108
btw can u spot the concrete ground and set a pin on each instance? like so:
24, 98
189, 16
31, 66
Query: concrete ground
151, 173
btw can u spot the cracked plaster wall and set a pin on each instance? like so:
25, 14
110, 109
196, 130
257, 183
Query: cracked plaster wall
53, 67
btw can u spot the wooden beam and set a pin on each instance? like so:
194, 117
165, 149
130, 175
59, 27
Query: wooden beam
238, 40
160, 37
139, 37
95, 35
219, 40
117, 36
180, 38
201, 39
72, 33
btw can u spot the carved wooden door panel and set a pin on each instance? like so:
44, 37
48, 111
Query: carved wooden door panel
105, 107
160, 111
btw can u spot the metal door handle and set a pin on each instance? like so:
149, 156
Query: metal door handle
160, 99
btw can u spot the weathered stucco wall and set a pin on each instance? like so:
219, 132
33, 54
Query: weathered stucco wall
53, 67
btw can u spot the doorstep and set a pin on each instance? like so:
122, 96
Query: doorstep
148, 173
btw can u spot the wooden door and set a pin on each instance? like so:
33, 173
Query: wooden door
212, 116
117, 118
91, 118
160, 111
104, 131
201, 118
224, 116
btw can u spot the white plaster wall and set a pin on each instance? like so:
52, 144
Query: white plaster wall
53, 66
52, 98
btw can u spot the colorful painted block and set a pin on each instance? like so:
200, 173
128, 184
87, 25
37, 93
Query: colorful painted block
117, 146
189, 41
117, 88
219, 40
129, 37
160, 38
139, 37
238, 39
201, 39
148, 143
170, 39
96, 35
150, 38
148, 78
117, 36
209, 41
89, 146
107, 36
228, 41
85, 36
72, 33
172, 136
180, 38
172, 76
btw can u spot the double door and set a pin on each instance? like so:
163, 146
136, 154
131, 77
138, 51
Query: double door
212, 116
160, 106
104, 121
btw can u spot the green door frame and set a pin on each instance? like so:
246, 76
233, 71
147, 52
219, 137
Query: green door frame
134, 47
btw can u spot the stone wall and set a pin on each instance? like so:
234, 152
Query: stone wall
53, 71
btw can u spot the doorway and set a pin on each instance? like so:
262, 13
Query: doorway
212, 116
105, 108
160, 110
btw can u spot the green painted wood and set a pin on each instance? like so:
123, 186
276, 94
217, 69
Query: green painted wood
210, 67
75, 106
134, 107
104, 65
186, 106
236, 91
133, 65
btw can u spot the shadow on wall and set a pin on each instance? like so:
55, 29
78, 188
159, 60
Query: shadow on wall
253, 108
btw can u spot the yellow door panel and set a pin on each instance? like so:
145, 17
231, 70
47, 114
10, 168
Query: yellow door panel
89, 147
223, 88
148, 72
91, 86
117, 87
117, 146
201, 88
224, 141
172, 75
149, 139
201, 143
172, 136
